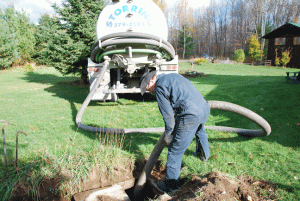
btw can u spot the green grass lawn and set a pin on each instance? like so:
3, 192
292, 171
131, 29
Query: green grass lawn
44, 104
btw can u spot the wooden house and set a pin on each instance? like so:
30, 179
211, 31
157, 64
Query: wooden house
285, 38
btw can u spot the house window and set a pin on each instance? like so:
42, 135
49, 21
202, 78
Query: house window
279, 41
296, 40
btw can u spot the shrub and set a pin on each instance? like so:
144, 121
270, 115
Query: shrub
200, 60
285, 57
30, 66
255, 51
277, 61
239, 55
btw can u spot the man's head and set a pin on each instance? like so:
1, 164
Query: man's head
147, 83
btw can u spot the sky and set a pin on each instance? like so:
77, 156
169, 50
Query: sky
192, 3
36, 8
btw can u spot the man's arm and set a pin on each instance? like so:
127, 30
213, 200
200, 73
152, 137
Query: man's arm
165, 108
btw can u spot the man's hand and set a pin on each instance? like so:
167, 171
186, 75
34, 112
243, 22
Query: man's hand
168, 138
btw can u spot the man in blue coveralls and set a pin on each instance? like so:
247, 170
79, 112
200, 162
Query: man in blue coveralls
185, 112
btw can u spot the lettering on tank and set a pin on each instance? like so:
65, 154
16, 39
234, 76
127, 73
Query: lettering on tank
114, 19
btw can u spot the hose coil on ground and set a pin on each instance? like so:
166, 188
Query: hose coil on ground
266, 128
130, 38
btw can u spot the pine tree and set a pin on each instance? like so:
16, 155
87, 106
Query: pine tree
69, 45
47, 29
26, 37
255, 51
8, 45
24, 30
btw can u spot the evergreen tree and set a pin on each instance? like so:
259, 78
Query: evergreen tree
19, 24
186, 43
255, 51
26, 39
8, 45
74, 32
47, 29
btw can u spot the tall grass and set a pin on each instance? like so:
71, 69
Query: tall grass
70, 169
44, 104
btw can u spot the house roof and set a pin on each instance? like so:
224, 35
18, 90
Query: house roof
288, 28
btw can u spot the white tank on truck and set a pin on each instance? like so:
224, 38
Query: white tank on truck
132, 35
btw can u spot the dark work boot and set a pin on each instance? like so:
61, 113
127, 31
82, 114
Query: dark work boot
169, 185
200, 154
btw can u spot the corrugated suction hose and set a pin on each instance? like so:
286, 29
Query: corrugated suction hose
266, 128
130, 38
221, 105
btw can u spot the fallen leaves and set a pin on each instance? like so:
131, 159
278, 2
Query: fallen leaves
251, 156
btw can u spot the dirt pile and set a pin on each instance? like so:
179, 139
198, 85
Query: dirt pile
216, 186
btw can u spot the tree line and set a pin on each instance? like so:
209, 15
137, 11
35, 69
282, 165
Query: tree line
64, 40
17, 40
226, 25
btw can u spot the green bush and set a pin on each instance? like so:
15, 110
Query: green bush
239, 55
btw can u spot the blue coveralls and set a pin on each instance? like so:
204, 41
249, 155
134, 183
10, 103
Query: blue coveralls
185, 112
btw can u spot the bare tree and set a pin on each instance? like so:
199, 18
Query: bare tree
226, 25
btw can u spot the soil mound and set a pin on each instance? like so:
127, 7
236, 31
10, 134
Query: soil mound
216, 186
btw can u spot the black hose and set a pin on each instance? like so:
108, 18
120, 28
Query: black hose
160, 145
125, 38
97, 51
266, 128
132, 35
221, 105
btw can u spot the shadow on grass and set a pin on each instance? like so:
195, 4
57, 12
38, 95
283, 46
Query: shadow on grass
269, 96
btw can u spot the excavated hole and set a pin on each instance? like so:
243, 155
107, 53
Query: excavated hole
214, 186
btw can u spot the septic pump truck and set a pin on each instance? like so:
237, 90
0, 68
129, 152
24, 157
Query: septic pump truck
133, 35
131, 40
